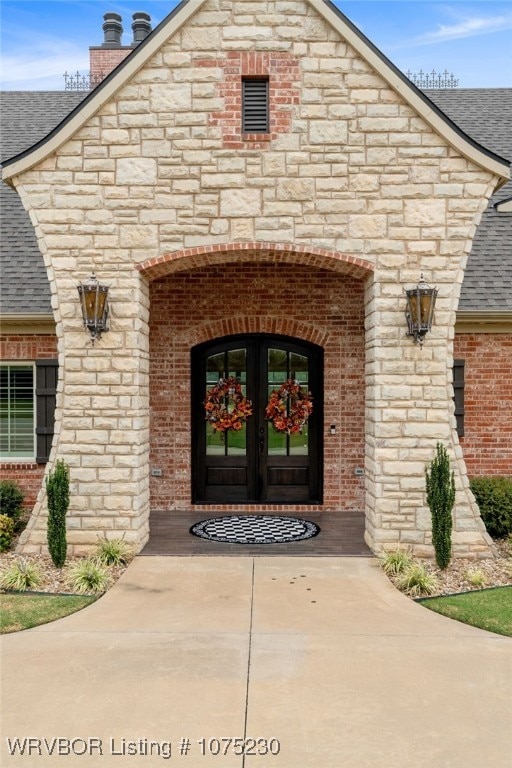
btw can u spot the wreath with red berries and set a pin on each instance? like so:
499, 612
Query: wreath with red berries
226, 406
289, 407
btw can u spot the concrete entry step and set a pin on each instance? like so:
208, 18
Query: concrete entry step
341, 535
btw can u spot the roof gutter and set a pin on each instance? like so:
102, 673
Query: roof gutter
31, 323
485, 321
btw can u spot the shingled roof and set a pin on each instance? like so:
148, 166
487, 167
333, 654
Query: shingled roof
484, 114
26, 117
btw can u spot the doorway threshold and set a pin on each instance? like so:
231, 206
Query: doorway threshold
341, 535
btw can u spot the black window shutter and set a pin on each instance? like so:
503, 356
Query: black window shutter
255, 113
458, 394
47, 372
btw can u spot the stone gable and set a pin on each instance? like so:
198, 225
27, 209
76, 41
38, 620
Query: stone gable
347, 167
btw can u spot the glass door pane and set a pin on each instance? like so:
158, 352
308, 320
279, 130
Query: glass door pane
281, 366
220, 366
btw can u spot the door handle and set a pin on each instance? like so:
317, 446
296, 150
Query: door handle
262, 440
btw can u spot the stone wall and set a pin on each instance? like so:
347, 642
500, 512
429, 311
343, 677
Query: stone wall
355, 171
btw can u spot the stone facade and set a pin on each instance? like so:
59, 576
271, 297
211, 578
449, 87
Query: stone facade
350, 171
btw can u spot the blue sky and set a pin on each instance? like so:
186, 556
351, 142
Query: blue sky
41, 39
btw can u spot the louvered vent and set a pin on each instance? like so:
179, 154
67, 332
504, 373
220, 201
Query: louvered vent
255, 106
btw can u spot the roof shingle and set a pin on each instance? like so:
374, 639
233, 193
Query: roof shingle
26, 117
486, 115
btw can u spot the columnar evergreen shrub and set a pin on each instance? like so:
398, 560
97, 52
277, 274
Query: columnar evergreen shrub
11, 499
441, 498
6, 532
57, 489
494, 498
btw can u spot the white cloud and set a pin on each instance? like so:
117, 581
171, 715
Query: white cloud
469, 27
41, 68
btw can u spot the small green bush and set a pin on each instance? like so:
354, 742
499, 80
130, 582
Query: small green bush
476, 577
11, 499
57, 490
20, 576
6, 532
416, 581
396, 562
88, 577
113, 552
494, 498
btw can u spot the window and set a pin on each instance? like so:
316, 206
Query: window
255, 111
458, 394
17, 411
27, 409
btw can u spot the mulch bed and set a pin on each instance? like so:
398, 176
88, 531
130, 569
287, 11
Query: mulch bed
497, 572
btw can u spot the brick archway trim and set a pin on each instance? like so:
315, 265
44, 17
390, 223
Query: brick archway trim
222, 253
275, 326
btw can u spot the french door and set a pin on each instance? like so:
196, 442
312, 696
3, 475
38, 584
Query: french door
256, 464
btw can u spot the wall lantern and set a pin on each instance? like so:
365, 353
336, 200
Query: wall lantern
94, 301
420, 310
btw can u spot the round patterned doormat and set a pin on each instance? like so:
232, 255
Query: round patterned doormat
255, 529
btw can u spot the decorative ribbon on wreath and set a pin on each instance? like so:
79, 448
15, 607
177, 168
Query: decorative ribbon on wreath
226, 406
289, 407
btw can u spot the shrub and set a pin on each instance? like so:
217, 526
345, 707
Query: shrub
494, 498
441, 498
416, 581
57, 489
113, 552
476, 577
88, 576
396, 562
20, 576
6, 532
11, 499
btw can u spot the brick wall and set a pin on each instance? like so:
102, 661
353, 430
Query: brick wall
103, 60
15, 347
487, 441
260, 297
283, 72
27, 347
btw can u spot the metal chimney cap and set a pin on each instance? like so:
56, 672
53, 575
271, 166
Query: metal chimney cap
113, 29
141, 26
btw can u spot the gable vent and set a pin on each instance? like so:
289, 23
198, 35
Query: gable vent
255, 117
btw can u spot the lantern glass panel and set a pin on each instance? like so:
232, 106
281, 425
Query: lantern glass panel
89, 301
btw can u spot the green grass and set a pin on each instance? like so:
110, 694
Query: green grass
24, 611
489, 609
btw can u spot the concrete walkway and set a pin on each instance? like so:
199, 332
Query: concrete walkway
321, 654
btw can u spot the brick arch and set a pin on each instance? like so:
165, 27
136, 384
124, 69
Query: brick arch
279, 253
276, 326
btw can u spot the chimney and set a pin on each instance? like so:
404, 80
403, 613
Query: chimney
141, 26
105, 57
113, 29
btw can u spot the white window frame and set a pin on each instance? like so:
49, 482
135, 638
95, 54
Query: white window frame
30, 457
